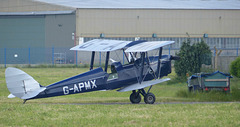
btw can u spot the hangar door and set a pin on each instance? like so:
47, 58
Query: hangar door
22, 39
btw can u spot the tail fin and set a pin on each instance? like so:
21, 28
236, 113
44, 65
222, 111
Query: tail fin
21, 85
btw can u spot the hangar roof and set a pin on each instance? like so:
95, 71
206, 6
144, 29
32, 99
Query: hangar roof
148, 4
37, 13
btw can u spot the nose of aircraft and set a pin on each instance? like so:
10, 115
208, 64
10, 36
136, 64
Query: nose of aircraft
175, 58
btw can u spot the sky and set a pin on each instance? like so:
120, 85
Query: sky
164, 4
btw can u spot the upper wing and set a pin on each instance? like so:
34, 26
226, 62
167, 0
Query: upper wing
101, 45
147, 46
142, 85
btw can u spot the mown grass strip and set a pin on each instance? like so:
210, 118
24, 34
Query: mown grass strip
120, 115
47, 112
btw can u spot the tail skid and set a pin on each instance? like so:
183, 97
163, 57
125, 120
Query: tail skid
21, 85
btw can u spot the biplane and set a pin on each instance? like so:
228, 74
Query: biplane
140, 72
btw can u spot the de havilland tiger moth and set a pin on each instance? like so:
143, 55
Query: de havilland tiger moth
140, 72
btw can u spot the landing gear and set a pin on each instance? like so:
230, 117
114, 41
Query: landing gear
24, 101
135, 97
149, 98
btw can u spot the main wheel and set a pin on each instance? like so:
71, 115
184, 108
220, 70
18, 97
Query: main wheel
135, 98
190, 88
149, 98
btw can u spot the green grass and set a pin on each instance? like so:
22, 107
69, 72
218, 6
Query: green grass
55, 112
120, 115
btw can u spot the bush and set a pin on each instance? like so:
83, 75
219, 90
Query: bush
235, 67
192, 57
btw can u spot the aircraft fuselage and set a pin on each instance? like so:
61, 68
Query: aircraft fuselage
97, 79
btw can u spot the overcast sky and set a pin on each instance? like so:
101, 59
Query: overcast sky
165, 4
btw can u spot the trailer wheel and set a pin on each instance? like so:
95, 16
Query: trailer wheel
190, 89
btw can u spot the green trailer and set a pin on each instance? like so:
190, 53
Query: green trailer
209, 81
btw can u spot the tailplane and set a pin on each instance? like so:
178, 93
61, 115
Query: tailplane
21, 85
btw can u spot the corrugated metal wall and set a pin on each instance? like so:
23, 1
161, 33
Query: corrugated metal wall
32, 38
165, 23
19, 31
59, 29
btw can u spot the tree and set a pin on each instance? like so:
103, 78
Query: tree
182, 66
192, 57
235, 67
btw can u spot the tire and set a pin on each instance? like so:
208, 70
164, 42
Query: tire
190, 88
135, 98
149, 98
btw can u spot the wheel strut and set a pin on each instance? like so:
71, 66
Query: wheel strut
143, 92
24, 101
149, 98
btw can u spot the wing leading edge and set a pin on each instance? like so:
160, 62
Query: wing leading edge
143, 85
148, 46
101, 45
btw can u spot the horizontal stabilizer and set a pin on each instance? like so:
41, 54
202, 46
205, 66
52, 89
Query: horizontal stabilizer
142, 85
11, 96
21, 85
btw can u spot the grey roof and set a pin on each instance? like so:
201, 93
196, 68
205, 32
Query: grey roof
161, 4
38, 13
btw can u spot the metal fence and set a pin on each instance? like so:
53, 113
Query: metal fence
37, 56
56, 55
62, 55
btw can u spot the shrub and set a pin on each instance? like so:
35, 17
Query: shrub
235, 67
192, 57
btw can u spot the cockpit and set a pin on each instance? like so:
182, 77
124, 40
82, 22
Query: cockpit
114, 67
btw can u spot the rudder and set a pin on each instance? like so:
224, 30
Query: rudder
21, 85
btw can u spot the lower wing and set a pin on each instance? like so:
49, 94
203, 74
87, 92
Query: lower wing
142, 85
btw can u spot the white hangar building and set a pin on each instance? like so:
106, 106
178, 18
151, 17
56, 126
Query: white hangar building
50, 23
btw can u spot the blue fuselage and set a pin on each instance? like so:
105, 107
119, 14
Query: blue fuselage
97, 79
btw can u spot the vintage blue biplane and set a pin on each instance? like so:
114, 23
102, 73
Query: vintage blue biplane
140, 72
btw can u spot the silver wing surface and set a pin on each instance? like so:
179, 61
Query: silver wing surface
148, 46
101, 45
142, 85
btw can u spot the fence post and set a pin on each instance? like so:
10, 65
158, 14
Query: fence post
214, 52
237, 51
5, 57
76, 58
52, 55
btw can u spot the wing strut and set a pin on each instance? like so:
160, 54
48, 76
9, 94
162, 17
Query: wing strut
142, 67
92, 60
106, 62
148, 63
159, 62
126, 56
